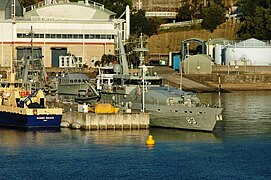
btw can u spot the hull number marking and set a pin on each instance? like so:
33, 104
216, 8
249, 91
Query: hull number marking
191, 120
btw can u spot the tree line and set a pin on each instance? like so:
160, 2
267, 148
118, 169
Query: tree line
255, 20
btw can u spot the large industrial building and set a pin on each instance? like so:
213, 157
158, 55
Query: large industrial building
249, 52
52, 29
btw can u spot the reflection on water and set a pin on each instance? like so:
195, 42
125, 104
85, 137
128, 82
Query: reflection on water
162, 134
11, 137
230, 152
108, 137
245, 113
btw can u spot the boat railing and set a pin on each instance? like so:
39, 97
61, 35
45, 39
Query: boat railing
217, 104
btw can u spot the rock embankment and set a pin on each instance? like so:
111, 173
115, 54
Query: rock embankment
209, 82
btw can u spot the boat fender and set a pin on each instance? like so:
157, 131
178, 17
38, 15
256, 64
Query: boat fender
76, 125
64, 124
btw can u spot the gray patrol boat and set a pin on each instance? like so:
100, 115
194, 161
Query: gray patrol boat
169, 107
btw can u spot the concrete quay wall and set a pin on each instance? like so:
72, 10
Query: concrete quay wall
250, 69
117, 121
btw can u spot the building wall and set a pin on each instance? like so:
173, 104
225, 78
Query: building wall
84, 30
256, 56
18, 35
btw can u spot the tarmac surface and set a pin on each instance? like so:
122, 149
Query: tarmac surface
187, 84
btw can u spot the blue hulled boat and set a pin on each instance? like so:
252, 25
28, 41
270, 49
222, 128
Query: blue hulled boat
20, 108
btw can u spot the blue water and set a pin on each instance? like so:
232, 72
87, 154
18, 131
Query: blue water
239, 148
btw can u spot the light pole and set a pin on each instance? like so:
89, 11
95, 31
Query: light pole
187, 46
208, 47
181, 72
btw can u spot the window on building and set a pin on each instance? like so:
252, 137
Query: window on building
19, 35
67, 36
75, 36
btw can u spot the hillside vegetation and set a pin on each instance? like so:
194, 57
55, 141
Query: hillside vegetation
171, 41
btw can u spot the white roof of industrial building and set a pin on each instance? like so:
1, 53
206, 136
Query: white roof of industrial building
59, 11
71, 11
252, 42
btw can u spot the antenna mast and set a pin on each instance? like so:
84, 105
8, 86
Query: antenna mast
13, 9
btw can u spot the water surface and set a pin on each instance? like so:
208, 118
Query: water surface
239, 148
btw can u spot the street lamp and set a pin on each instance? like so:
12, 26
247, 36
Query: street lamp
187, 46
208, 47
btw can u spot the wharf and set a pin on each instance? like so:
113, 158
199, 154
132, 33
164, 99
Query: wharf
114, 121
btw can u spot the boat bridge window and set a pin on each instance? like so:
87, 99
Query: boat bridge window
5, 84
117, 81
155, 82
135, 82
107, 71
71, 81
18, 85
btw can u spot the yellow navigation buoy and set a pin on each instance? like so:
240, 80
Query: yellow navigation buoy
150, 140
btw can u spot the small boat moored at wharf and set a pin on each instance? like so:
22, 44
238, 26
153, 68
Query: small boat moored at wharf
21, 108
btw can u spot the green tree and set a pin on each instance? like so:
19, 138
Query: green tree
26, 3
213, 16
141, 24
257, 19
258, 25
133, 43
108, 59
183, 14
195, 9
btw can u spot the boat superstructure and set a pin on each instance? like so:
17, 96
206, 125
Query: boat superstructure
168, 107
74, 86
104, 79
73, 83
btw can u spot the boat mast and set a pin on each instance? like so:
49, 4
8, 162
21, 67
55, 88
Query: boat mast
181, 73
123, 59
219, 87
141, 50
